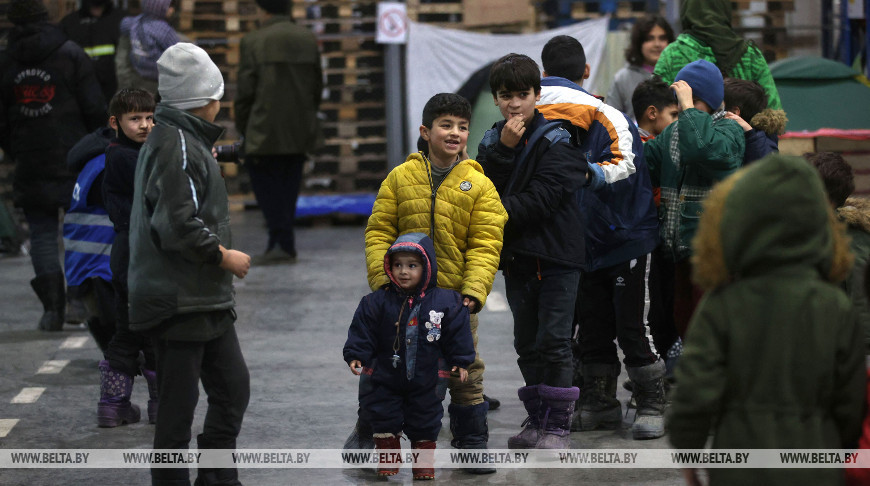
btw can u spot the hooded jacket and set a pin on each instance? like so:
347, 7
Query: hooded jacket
180, 217
49, 100
90, 146
763, 139
98, 37
750, 66
774, 357
621, 218
856, 214
150, 34
433, 326
464, 217
538, 185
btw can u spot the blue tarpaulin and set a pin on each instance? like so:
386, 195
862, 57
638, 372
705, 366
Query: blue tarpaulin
361, 204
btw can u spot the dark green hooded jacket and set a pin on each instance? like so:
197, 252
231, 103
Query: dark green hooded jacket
179, 219
773, 358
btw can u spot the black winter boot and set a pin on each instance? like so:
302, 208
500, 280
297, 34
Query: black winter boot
649, 392
470, 430
598, 407
51, 290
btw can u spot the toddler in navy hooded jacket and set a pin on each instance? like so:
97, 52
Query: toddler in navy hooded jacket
404, 336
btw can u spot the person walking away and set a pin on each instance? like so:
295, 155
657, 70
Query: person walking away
280, 85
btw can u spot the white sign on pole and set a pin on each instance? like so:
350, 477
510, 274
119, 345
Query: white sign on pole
392, 23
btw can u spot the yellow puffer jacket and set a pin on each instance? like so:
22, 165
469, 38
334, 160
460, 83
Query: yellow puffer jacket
469, 224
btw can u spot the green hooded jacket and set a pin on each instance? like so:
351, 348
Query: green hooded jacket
751, 65
773, 358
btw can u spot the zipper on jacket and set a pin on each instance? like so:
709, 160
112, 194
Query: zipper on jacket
434, 193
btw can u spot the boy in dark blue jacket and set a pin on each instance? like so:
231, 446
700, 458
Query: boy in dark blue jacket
537, 171
404, 336
622, 229
746, 103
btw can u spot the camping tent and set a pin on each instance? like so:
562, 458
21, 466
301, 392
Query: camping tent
820, 93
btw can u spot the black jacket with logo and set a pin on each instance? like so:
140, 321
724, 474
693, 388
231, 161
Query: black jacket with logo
49, 100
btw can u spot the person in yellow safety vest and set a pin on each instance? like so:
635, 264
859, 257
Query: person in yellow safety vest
96, 28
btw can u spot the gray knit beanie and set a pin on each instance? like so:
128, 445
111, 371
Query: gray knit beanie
187, 77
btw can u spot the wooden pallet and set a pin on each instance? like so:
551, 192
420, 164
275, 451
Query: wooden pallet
488, 15
624, 10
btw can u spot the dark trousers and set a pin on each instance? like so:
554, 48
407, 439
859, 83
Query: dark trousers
542, 304
417, 412
44, 247
612, 304
687, 296
220, 366
124, 349
661, 302
275, 180
125, 346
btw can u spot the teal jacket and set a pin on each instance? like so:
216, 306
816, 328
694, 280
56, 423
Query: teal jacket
710, 150
180, 217
752, 65
773, 358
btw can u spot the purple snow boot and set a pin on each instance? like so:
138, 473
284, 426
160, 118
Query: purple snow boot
114, 407
531, 432
151, 378
557, 406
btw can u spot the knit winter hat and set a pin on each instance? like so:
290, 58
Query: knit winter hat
277, 7
187, 77
706, 82
26, 11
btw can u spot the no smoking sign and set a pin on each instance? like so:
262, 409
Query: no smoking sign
392, 23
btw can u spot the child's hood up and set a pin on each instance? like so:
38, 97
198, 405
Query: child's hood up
422, 245
768, 216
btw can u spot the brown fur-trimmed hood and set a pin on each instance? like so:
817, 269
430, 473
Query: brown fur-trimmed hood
770, 121
767, 216
856, 212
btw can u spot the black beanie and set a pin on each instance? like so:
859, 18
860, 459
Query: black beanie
275, 7
26, 11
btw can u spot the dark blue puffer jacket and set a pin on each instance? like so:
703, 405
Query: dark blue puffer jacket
433, 324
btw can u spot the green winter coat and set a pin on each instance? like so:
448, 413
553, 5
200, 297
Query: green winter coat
773, 358
280, 84
751, 65
180, 216
710, 150
856, 214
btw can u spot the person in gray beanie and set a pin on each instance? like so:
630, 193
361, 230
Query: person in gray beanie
699, 149
279, 89
181, 266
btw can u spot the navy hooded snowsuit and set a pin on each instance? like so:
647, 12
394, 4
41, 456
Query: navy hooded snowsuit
433, 336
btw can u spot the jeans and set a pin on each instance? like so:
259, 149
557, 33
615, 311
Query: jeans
612, 304
275, 180
542, 305
44, 247
180, 367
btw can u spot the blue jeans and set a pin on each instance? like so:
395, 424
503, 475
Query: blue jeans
542, 303
44, 249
